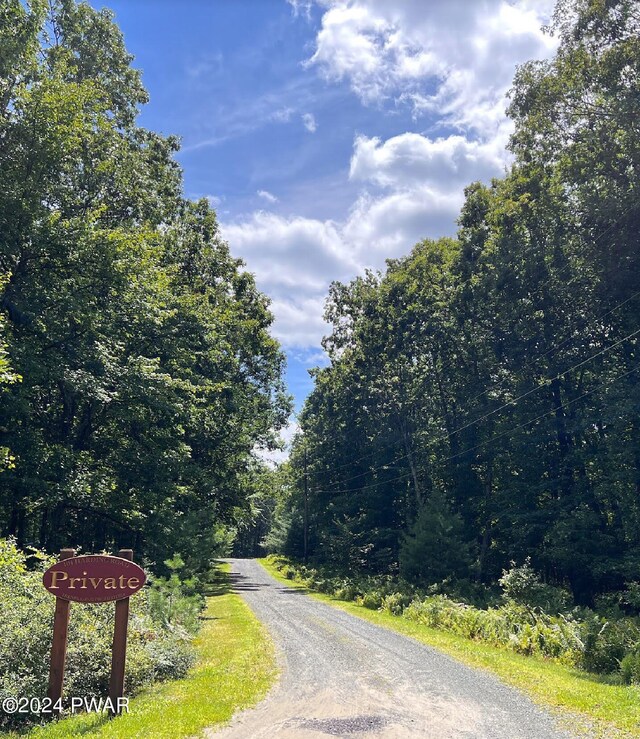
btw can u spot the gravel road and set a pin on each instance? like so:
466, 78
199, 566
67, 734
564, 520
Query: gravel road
344, 677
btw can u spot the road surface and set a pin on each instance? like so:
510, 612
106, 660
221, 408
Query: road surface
344, 677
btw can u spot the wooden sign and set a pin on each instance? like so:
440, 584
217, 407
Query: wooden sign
92, 579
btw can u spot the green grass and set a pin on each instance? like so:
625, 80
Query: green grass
594, 705
235, 668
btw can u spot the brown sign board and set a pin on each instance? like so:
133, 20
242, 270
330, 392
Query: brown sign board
94, 578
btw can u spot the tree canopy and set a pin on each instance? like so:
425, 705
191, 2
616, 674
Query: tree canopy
483, 392
148, 376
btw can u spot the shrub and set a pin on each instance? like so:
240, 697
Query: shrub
511, 625
26, 614
346, 590
171, 658
371, 599
523, 585
606, 642
395, 603
630, 667
176, 603
631, 596
325, 585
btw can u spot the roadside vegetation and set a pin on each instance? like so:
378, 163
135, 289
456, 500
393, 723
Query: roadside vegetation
164, 619
518, 643
527, 617
232, 667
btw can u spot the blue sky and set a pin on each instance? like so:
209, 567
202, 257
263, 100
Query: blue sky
330, 134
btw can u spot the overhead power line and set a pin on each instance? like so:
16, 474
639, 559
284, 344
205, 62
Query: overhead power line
493, 438
542, 415
528, 364
502, 407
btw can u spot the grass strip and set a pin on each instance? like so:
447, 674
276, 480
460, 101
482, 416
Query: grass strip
596, 706
235, 668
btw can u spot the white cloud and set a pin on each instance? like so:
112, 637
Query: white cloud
299, 319
452, 60
311, 357
452, 57
294, 260
309, 122
301, 7
206, 66
275, 106
282, 115
412, 160
291, 252
351, 44
266, 195
388, 226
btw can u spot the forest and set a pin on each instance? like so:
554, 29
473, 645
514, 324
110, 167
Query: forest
480, 407
138, 374
480, 403
467, 461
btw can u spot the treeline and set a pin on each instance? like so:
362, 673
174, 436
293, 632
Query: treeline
482, 400
137, 371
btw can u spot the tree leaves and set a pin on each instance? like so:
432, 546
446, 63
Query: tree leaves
149, 375
492, 379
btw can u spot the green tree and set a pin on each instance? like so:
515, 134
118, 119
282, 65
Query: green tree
497, 373
149, 375
434, 548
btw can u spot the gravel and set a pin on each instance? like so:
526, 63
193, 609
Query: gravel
344, 677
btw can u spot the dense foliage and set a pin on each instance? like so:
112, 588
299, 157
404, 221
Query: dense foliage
147, 373
482, 400
156, 649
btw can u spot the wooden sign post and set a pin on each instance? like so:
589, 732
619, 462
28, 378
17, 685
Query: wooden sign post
92, 579
119, 649
59, 642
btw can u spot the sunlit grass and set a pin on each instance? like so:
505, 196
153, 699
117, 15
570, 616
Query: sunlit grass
236, 667
596, 706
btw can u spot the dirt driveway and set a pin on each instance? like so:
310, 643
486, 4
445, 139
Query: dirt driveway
344, 677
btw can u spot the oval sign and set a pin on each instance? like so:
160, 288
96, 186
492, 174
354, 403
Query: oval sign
94, 578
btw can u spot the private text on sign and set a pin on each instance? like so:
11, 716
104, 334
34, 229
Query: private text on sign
94, 578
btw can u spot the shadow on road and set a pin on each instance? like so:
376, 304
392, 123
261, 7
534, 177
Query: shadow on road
285, 590
241, 583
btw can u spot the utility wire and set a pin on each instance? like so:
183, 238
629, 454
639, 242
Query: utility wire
526, 365
505, 405
496, 436
366, 487
531, 362
555, 276
547, 382
542, 415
